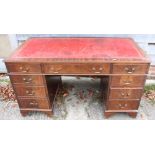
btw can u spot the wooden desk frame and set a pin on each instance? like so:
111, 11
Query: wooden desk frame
123, 81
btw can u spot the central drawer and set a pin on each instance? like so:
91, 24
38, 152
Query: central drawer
28, 91
125, 93
34, 104
85, 68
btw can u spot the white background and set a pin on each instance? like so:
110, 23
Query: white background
77, 17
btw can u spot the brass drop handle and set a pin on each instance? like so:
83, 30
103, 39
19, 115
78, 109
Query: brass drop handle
128, 94
55, 70
122, 106
28, 92
130, 70
122, 94
25, 70
100, 68
125, 94
97, 71
27, 80
33, 103
127, 82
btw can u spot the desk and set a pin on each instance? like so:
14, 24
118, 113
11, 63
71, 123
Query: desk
119, 62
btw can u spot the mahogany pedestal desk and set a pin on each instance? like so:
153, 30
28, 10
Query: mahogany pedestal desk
35, 70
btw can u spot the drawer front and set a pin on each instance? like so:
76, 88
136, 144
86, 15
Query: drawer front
34, 104
123, 105
130, 68
125, 93
35, 91
127, 81
27, 79
76, 68
24, 68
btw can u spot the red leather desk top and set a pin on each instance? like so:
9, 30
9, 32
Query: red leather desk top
78, 48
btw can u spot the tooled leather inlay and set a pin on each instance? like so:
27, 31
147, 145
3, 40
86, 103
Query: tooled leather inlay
70, 48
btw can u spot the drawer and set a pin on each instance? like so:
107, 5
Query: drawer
130, 68
125, 93
24, 68
127, 81
27, 79
34, 104
35, 91
76, 68
123, 105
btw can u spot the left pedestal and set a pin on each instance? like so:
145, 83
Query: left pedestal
34, 91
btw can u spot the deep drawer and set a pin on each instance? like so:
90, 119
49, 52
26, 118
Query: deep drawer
127, 81
24, 68
27, 79
35, 91
76, 68
123, 105
130, 68
125, 93
34, 104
